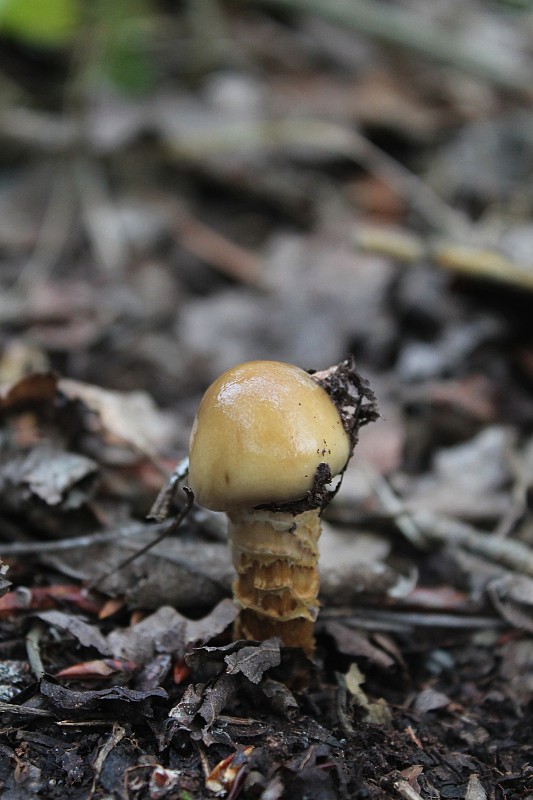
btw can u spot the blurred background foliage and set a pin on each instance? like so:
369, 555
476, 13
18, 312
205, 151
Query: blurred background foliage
117, 33
189, 184
51, 23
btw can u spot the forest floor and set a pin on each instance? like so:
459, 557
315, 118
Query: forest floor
272, 183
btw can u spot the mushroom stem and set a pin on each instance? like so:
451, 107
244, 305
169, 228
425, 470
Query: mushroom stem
275, 555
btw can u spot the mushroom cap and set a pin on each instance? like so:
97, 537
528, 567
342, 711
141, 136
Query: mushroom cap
261, 430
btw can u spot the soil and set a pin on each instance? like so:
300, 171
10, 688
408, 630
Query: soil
232, 182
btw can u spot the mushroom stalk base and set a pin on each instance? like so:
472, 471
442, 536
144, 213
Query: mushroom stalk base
275, 555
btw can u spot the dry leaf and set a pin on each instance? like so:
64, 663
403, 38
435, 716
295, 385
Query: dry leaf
201, 705
378, 712
354, 642
512, 596
117, 700
254, 660
430, 700
129, 417
85, 634
167, 631
35, 388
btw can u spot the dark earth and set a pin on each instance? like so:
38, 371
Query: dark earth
185, 186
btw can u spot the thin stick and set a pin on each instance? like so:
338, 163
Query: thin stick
220, 252
88, 540
510, 553
420, 527
174, 526
53, 232
33, 651
328, 137
407, 29
22, 711
116, 735
341, 703
406, 791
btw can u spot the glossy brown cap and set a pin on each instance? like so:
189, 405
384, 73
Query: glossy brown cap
260, 433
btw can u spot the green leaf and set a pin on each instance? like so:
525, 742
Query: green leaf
126, 60
125, 29
41, 22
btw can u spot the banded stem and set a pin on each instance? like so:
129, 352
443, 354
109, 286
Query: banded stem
275, 555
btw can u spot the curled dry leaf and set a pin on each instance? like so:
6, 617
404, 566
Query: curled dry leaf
54, 477
117, 700
354, 642
35, 388
200, 706
430, 699
377, 712
124, 417
164, 632
99, 669
40, 599
228, 773
516, 669
475, 790
167, 631
5, 585
154, 673
254, 660
85, 634
512, 597
163, 781
202, 703
281, 700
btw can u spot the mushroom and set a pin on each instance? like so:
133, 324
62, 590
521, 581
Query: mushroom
267, 440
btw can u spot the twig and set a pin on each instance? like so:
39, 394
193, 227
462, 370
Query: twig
400, 27
33, 652
405, 621
210, 521
341, 702
85, 723
217, 250
24, 711
392, 505
406, 791
88, 540
328, 137
103, 225
509, 553
478, 260
114, 738
173, 527
424, 200
483, 262
161, 507
53, 232
421, 527
203, 760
